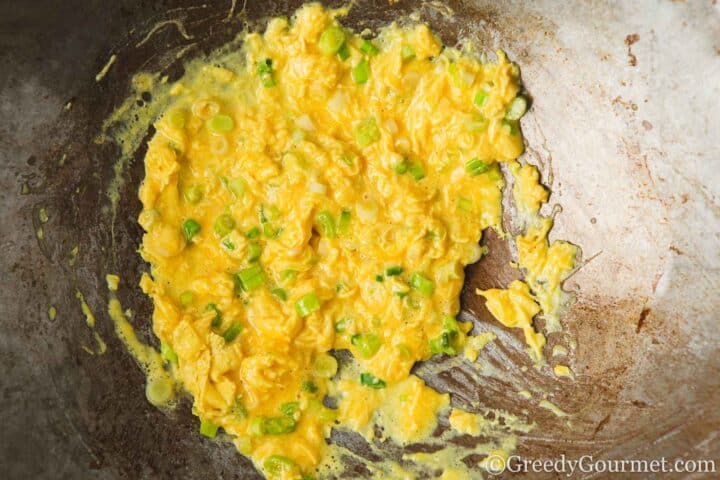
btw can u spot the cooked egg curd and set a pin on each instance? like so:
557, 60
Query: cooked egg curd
319, 191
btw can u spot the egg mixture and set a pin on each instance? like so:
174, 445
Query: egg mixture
317, 191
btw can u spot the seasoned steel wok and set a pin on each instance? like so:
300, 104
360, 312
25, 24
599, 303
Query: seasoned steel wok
624, 124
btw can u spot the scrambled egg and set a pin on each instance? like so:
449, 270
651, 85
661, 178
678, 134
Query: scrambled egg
320, 191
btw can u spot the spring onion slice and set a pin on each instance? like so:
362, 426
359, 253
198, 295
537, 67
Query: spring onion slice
367, 132
516, 109
308, 304
367, 344
344, 223
224, 224
208, 429
251, 278
422, 284
407, 52
476, 166
232, 332
369, 380
361, 72
369, 48
393, 271
326, 224
331, 40
265, 72
190, 228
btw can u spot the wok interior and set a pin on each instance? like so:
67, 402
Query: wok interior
642, 390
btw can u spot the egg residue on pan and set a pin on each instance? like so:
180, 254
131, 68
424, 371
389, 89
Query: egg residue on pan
319, 191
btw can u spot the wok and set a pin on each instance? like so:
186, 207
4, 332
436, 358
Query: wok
624, 126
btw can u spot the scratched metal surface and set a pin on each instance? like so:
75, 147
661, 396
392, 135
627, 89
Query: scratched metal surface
624, 125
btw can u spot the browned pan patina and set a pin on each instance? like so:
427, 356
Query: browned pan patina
623, 124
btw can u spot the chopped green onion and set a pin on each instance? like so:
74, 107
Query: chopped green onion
190, 228
265, 66
326, 224
477, 123
344, 223
273, 212
288, 275
439, 345
279, 293
253, 233
344, 52
159, 391
455, 75
325, 366
450, 324
186, 298
224, 224
416, 171
495, 174
309, 387
510, 126
265, 72
347, 159
261, 214
290, 408
442, 344
369, 380
393, 271
279, 425
208, 429
464, 204
331, 40
232, 332
217, 319
367, 132
193, 194
256, 426
476, 166
401, 167
361, 72
401, 294
270, 231
480, 98
379, 278
254, 251
367, 344
517, 108
251, 278
221, 123
341, 324
168, 354
276, 465
307, 304
445, 342
422, 284
237, 186
407, 52
369, 48
239, 409
228, 244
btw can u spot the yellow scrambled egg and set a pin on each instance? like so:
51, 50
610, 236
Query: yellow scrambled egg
319, 191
